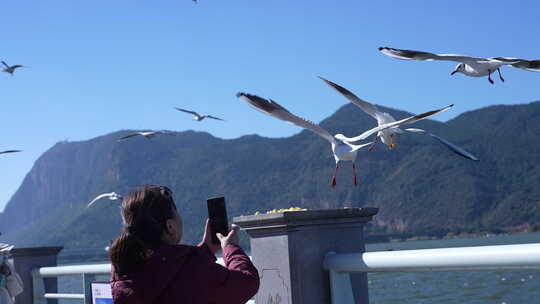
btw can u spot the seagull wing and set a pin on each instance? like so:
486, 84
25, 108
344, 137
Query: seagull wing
453, 147
16, 66
128, 136
188, 111
99, 197
274, 109
9, 151
395, 124
418, 55
529, 65
415, 130
165, 133
364, 105
456, 149
213, 117
5, 64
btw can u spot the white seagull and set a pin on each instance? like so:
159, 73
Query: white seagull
10, 69
388, 136
146, 134
470, 66
341, 148
9, 151
197, 116
112, 196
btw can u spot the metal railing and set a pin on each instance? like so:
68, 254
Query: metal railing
340, 266
525, 256
88, 273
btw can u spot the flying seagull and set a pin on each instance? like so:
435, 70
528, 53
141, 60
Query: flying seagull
453, 147
341, 148
470, 66
112, 196
147, 134
197, 116
10, 69
389, 136
9, 151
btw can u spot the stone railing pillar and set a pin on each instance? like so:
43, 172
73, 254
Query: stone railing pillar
28, 259
288, 249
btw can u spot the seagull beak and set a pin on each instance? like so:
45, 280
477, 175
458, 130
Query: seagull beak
392, 146
453, 72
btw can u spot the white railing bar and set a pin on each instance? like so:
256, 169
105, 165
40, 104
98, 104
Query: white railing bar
85, 270
442, 259
78, 296
45, 272
73, 270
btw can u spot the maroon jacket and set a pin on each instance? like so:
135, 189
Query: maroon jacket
188, 275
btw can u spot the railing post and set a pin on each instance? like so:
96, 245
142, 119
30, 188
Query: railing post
87, 282
38, 288
340, 286
289, 248
28, 259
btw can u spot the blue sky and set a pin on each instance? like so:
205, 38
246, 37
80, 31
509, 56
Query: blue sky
95, 67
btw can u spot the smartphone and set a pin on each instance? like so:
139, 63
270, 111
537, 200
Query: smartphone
217, 213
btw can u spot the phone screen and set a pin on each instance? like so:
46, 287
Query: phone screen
217, 213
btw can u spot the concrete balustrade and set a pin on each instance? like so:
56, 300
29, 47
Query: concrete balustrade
28, 259
289, 248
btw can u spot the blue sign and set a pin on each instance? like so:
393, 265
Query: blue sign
101, 293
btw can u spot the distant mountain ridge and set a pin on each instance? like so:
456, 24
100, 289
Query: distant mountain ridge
421, 187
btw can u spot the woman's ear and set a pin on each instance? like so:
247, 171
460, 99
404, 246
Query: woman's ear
169, 225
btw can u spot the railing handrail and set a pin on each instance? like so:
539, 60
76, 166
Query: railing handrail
88, 273
100, 269
440, 259
96, 269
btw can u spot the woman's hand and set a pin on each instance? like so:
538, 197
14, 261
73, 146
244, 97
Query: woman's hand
207, 238
231, 238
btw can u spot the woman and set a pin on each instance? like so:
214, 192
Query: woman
149, 265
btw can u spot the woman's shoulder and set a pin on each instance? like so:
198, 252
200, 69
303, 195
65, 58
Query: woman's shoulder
173, 253
176, 253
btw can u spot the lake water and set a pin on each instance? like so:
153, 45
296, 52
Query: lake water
497, 287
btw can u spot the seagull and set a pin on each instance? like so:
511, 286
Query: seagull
9, 151
112, 196
147, 134
470, 66
387, 136
197, 116
10, 69
453, 147
341, 148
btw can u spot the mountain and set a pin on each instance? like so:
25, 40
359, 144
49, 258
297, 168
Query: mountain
420, 187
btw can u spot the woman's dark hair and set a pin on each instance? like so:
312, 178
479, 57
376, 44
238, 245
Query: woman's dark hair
144, 213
